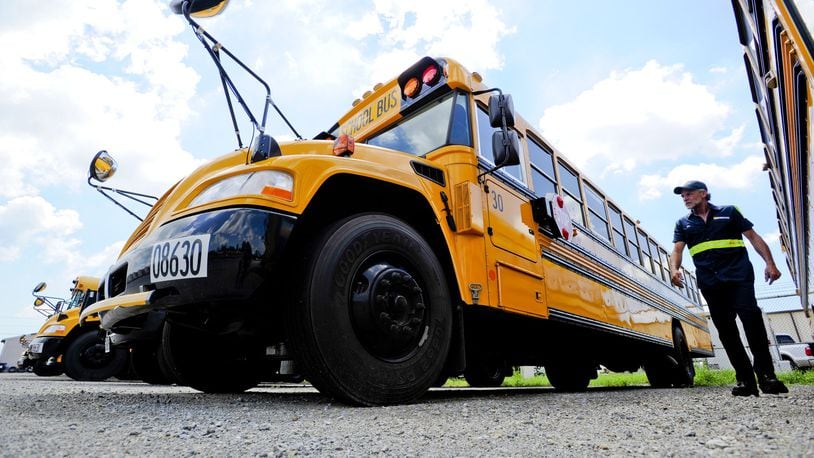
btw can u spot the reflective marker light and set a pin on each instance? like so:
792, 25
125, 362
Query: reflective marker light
344, 145
411, 87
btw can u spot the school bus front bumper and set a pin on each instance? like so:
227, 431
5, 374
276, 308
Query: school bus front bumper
212, 260
119, 304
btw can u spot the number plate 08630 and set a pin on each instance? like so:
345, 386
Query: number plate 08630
184, 257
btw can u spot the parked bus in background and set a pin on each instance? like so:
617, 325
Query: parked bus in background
62, 346
431, 232
778, 44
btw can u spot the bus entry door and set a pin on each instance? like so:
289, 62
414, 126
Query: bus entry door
514, 268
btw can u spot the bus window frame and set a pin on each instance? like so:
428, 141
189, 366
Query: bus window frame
567, 194
538, 170
613, 209
598, 198
656, 260
627, 222
665, 261
644, 237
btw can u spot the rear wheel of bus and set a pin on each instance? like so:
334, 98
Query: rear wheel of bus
373, 323
673, 368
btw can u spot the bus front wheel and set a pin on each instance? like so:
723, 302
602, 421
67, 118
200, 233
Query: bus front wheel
373, 322
85, 358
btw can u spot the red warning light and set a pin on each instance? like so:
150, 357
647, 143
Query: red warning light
431, 75
565, 233
560, 202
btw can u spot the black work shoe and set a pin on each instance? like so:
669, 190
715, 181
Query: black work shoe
771, 385
743, 389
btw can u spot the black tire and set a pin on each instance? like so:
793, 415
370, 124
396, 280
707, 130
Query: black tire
373, 323
85, 358
659, 371
565, 377
207, 362
684, 374
150, 365
12, 370
487, 370
792, 365
674, 368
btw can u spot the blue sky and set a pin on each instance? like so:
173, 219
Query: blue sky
640, 95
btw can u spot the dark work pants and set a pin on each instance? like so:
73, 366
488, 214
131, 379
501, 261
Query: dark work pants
726, 300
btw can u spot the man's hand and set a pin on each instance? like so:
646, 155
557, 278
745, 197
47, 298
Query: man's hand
678, 279
771, 274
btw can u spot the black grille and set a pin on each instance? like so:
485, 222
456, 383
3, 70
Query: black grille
118, 281
431, 173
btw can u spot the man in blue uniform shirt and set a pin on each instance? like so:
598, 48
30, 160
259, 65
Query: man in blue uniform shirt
714, 236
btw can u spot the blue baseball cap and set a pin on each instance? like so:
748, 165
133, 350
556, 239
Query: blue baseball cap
691, 185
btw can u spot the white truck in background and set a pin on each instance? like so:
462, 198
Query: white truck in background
13, 348
799, 355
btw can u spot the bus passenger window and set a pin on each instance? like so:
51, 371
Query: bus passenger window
618, 230
654, 250
542, 168
647, 261
571, 193
596, 212
665, 264
633, 244
485, 131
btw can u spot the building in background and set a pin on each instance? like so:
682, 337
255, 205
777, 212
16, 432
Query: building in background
777, 40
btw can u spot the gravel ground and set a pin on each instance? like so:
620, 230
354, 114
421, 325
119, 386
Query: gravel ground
60, 417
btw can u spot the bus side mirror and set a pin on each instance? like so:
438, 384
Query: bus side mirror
40, 286
199, 8
505, 147
500, 107
38, 302
102, 166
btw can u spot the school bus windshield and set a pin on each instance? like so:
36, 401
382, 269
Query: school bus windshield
442, 122
76, 300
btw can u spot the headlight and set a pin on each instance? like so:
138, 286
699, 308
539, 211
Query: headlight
267, 182
54, 328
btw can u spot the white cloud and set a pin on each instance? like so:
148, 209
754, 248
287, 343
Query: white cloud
57, 108
336, 48
742, 175
638, 116
30, 221
772, 238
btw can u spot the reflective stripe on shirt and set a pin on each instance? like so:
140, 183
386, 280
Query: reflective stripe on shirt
716, 244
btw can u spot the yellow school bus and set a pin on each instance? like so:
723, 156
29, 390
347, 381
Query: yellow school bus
779, 57
431, 232
62, 346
